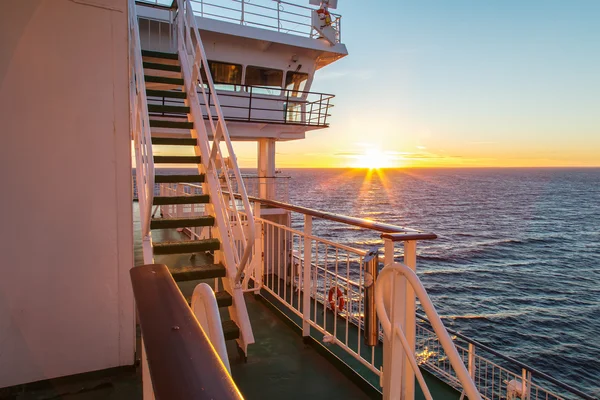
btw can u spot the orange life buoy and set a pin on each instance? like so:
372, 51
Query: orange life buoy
339, 298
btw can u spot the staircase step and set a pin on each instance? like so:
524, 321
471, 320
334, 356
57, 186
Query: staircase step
163, 79
168, 109
224, 299
177, 159
158, 123
196, 272
166, 93
160, 54
192, 246
172, 223
230, 330
174, 141
169, 200
179, 178
162, 67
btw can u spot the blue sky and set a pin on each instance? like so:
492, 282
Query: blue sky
462, 83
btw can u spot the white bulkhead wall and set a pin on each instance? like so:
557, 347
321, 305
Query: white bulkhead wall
66, 304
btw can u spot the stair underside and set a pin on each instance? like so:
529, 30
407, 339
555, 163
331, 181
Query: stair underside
224, 299
158, 123
169, 141
192, 246
179, 178
160, 54
169, 200
177, 159
173, 223
161, 67
173, 94
196, 272
159, 108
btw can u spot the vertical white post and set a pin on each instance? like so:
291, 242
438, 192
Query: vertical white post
393, 353
266, 168
147, 389
471, 365
410, 260
306, 275
259, 240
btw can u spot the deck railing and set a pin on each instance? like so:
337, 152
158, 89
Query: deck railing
179, 360
245, 103
277, 267
275, 15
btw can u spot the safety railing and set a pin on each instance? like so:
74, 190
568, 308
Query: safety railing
276, 15
140, 131
244, 103
179, 357
495, 375
392, 289
219, 159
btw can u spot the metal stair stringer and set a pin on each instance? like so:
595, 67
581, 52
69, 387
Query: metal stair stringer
217, 207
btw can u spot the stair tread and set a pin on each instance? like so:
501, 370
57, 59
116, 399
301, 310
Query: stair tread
159, 123
159, 108
223, 297
163, 79
168, 200
174, 141
171, 223
191, 246
161, 67
196, 272
177, 159
166, 93
230, 330
179, 178
160, 54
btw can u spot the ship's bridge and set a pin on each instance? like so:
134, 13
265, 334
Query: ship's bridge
263, 56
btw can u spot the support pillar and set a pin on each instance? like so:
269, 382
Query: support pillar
266, 168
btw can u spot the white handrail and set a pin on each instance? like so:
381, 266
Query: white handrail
140, 125
205, 308
214, 158
436, 323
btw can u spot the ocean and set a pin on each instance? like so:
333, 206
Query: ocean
516, 264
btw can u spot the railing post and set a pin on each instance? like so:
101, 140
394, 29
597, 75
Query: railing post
410, 260
147, 389
471, 365
250, 105
393, 353
259, 242
371, 327
287, 102
306, 275
242, 19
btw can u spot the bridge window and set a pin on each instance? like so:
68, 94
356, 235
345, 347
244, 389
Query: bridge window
295, 83
225, 76
269, 79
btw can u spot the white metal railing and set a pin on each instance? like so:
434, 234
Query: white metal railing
140, 131
205, 309
275, 15
277, 267
318, 280
392, 315
493, 380
220, 163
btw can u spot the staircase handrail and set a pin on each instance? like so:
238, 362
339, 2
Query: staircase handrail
187, 27
436, 323
140, 124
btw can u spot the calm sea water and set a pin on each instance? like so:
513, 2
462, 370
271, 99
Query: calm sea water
517, 262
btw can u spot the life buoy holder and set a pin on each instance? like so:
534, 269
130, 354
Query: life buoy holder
339, 298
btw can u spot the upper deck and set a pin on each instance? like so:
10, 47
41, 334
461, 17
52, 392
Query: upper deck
277, 23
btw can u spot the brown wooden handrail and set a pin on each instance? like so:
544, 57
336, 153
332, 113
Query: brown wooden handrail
182, 362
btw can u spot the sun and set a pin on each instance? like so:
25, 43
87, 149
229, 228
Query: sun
373, 158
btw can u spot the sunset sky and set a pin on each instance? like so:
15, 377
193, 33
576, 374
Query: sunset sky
459, 83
